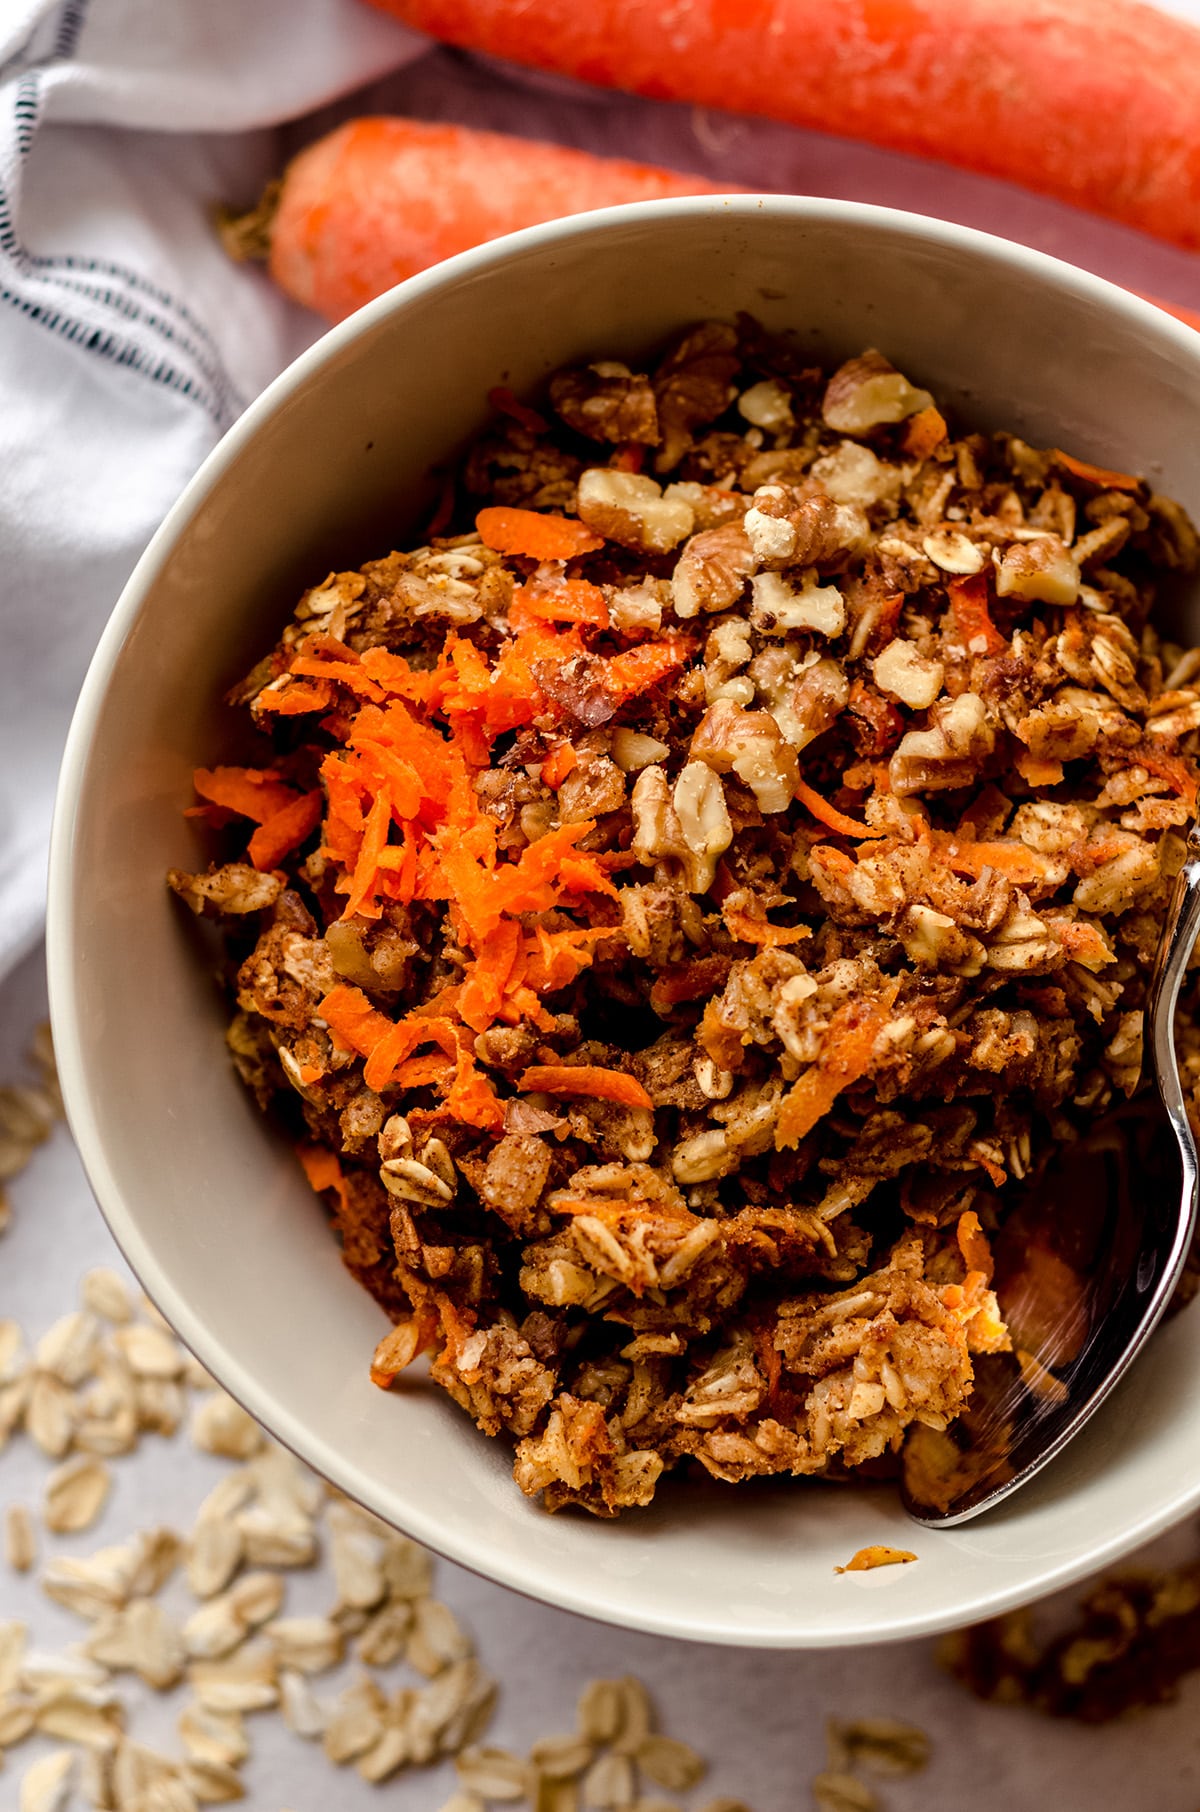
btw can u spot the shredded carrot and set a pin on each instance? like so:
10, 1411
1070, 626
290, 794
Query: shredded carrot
418, 1072
323, 1171
585, 1079
973, 1244
925, 433
504, 402
354, 1024
756, 928
637, 669
705, 975
1174, 769
568, 601
1036, 771
558, 764
1083, 942
829, 815
996, 1172
1097, 475
867, 1558
847, 1055
535, 533
398, 1043
1023, 866
285, 829
256, 793
295, 700
972, 618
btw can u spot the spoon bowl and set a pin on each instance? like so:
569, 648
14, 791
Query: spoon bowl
1087, 1266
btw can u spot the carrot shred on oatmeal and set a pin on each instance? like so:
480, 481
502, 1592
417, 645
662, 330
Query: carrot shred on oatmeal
568, 601
284, 831
587, 1080
1100, 476
926, 431
558, 764
536, 534
1015, 861
255, 793
969, 603
868, 1558
829, 815
846, 1056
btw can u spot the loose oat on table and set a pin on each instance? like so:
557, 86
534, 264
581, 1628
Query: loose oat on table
688, 899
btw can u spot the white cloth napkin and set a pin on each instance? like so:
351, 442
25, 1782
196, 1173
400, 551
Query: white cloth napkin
128, 342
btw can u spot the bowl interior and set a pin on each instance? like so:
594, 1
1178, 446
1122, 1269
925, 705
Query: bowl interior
332, 467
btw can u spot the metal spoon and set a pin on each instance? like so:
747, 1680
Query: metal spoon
1120, 1228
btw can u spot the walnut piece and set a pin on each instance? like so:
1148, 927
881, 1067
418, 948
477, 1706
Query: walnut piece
751, 745
867, 393
607, 401
630, 509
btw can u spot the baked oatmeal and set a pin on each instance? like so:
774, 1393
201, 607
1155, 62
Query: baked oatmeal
685, 906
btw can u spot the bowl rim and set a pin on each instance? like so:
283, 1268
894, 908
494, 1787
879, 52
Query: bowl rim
1041, 269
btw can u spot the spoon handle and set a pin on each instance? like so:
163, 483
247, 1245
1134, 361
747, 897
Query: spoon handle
1180, 931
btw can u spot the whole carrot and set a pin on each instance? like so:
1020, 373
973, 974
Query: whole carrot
380, 199
1094, 101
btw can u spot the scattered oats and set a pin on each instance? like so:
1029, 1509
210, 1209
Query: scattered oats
724, 1804
221, 1426
13, 1639
310, 1645
212, 1783
670, 1763
20, 1546
150, 1349
463, 1802
357, 1554
383, 1638
243, 1682
76, 1492
26, 1116
609, 1784
67, 1350
14, 1401
104, 1293
214, 1630
95, 1778
214, 1555
839, 1792
882, 1745
653, 1804
12, 1351
437, 1639
257, 1597
302, 1711
137, 1769
561, 1757
108, 1424
453, 1711
17, 1718
143, 1639
384, 1757
494, 1773
229, 1494
600, 1710
90, 1585
407, 1568
46, 1784
356, 1722
637, 1716
48, 1675
277, 1538
76, 1719
153, 1556
5, 1210
558, 1796
282, 1484
169, 1794
50, 1414
195, 1375
217, 1738
159, 1404
153, 1313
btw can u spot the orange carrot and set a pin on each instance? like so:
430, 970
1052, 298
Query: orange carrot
846, 1057
353, 1022
504, 402
380, 199
972, 618
570, 601
829, 815
586, 1079
972, 1243
867, 1558
1035, 770
1023, 866
536, 533
637, 669
558, 765
925, 433
254, 793
1100, 476
957, 80
285, 829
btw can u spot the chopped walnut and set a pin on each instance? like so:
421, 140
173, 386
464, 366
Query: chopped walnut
711, 571
235, 888
629, 508
1040, 570
779, 608
947, 753
868, 393
749, 744
853, 474
904, 672
607, 401
787, 527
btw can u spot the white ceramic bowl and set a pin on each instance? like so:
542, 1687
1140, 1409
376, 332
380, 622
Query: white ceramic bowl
329, 467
